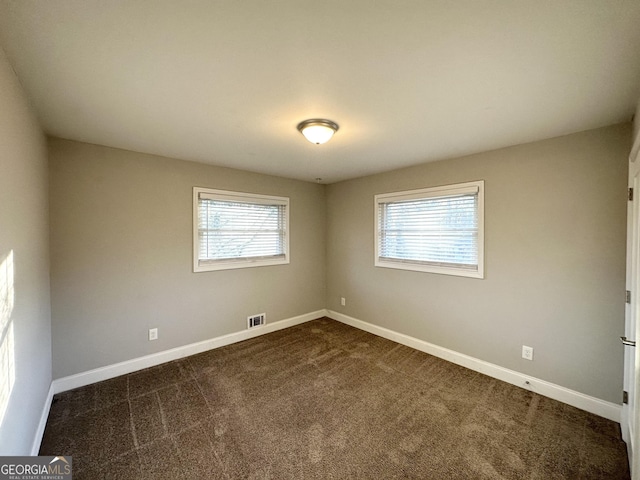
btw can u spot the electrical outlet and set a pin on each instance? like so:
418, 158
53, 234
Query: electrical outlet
343, 301
527, 352
153, 334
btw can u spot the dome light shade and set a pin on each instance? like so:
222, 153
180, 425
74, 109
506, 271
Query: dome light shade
318, 130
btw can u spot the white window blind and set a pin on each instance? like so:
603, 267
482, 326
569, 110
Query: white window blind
236, 230
437, 230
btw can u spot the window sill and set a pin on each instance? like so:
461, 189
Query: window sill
417, 267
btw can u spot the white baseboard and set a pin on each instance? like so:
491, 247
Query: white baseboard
594, 405
579, 400
110, 371
37, 440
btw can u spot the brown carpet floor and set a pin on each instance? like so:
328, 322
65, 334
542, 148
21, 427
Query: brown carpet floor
324, 400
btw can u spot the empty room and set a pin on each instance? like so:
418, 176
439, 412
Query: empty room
296, 239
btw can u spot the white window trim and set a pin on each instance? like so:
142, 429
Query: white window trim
240, 197
459, 188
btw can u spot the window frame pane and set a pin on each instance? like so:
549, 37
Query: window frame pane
207, 265
461, 189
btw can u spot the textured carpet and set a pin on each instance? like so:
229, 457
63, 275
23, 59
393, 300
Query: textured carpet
324, 400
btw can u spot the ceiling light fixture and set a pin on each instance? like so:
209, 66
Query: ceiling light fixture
318, 130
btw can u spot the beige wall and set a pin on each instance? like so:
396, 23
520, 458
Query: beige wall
25, 321
555, 214
121, 256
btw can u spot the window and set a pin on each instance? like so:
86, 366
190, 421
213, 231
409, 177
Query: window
238, 230
437, 230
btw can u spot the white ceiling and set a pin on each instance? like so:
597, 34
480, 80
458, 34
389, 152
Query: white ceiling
226, 82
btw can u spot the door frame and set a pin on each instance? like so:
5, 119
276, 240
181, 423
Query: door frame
629, 420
